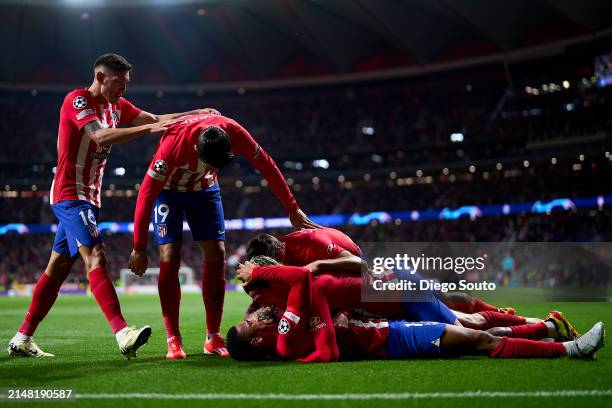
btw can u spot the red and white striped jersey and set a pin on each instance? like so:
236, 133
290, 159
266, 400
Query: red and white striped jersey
176, 165
80, 161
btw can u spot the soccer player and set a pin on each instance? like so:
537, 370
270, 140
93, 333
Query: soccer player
182, 182
264, 335
328, 250
89, 125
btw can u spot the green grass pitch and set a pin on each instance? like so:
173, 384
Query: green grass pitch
88, 361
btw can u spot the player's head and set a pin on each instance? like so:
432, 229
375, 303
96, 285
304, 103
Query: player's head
267, 245
255, 337
215, 147
112, 74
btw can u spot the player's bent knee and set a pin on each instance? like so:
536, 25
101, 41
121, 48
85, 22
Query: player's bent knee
170, 252
214, 251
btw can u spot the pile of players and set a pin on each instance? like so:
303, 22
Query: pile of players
314, 313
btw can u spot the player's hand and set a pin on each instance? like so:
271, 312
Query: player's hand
138, 262
245, 272
341, 321
209, 111
163, 125
300, 220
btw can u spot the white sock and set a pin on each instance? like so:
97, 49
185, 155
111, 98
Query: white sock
120, 333
571, 348
21, 337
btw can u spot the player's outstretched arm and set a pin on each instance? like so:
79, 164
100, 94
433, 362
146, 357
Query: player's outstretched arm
109, 136
151, 186
146, 118
345, 262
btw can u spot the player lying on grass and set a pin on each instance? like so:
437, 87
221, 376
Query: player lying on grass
89, 126
343, 290
330, 250
181, 182
304, 332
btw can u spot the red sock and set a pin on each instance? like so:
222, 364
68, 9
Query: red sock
213, 293
103, 290
534, 331
513, 348
43, 297
482, 306
497, 319
169, 289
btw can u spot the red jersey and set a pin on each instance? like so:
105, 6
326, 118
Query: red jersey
363, 339
176, 166
308, 245
305, 332
80, 161
340, 291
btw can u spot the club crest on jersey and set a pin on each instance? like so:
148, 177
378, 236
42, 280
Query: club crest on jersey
283, 326
93, 230
330, 248
160, 167
79, 102
162, 230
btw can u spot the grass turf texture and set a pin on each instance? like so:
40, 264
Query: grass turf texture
88, 361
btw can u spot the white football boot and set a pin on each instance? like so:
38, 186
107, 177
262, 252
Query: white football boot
131, 339
586, 345
25, 348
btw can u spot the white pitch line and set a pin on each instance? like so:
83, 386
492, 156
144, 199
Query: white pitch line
377, 396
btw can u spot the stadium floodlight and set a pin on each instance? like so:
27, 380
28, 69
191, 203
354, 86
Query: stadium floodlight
321, 164
119, 171
456, 137
367, 130
566, 84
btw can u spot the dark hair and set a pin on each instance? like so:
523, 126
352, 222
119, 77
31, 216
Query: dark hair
263, 244
239, 348
114, 62
214, 147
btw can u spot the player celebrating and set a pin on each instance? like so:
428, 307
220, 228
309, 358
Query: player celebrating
182, 182
89, 120
303, 332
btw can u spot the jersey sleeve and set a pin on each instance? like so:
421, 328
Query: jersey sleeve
128, 111
76, 109
322, 329
245, 145
306, 309
164, 161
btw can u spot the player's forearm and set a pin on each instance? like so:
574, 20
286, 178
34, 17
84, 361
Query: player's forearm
111, 136
168, 116
287, 275
350, 263
142, 215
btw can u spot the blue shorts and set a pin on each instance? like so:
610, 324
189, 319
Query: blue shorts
203, 211
426, 305
78, 226
414, 339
